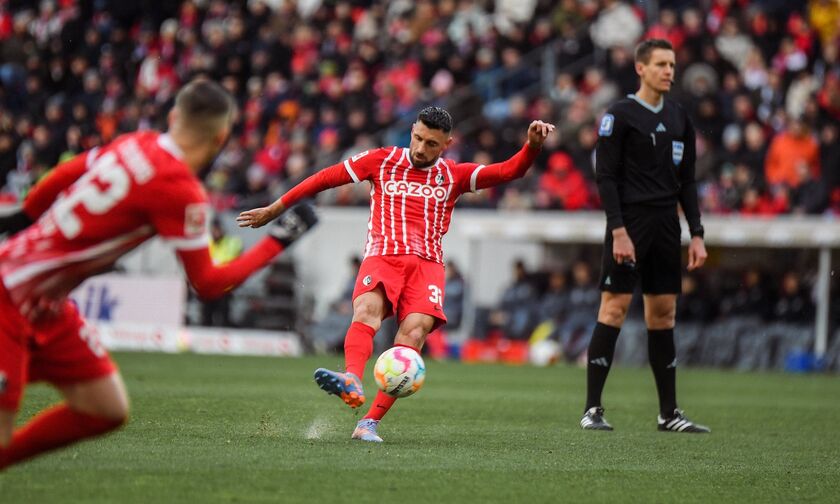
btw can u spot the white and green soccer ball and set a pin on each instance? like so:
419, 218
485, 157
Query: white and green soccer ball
399, 371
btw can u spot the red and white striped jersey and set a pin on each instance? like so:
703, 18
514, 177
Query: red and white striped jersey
410, 208
134, 188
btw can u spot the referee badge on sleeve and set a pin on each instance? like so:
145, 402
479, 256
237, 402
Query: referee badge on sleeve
677, 149
606, 127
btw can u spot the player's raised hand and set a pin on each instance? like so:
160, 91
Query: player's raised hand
537, 133
256, 217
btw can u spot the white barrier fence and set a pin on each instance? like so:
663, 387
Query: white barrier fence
132, 298
202, 340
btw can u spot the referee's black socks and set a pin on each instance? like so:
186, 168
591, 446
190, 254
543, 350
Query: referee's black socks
663, 361
599, 360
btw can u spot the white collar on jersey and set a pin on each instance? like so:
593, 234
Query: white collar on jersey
168, 144
647, 105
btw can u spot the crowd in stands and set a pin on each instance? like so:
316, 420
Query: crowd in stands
562, 303
318, 81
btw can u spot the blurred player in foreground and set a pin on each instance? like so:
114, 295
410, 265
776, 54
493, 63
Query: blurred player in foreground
111, 200
413, 192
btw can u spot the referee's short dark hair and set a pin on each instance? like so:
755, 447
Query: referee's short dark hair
646, 47
436, 118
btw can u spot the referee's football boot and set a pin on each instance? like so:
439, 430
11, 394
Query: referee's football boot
679, 423
593, 419
347, 386
366, 431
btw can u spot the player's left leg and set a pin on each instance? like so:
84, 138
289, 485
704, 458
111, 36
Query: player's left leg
411, 334
67, 354
91, 408
660, 311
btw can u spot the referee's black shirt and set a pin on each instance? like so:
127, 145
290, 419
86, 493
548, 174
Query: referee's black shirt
645, 155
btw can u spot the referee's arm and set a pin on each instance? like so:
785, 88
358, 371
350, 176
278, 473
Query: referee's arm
608, 168
688, 185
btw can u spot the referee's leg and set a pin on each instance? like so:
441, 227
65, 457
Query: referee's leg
660, 318
611, 316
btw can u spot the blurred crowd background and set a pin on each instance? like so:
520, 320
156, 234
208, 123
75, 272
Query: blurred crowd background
318, 81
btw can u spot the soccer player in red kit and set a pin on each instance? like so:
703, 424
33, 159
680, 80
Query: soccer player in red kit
84, 216
413, 192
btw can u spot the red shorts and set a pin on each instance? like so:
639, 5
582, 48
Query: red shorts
60, 351
411, 284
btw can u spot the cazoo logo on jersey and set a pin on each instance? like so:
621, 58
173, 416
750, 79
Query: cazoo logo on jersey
398, 187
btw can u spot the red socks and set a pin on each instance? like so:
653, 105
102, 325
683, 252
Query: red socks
51, 429
383, 402
358, 347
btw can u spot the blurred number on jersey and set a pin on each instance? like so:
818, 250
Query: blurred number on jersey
99, 190
437, 295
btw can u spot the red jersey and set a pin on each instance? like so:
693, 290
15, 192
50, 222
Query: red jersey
132, 189
410, 208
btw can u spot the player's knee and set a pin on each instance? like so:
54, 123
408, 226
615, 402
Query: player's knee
661, 317
413, 336
664, 320
612, 314
115, 411
119, 413
369, 314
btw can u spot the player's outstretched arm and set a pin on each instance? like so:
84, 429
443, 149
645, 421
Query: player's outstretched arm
211, 281
333, 176
515, 167
46, 191
44, 194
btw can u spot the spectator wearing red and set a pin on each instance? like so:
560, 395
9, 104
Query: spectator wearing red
667, 28
563, 186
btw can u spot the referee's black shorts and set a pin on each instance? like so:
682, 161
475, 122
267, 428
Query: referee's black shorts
655, 232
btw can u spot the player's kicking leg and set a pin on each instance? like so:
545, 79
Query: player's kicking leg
347, 386
369, 309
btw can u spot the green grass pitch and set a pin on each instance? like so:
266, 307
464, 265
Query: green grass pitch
234, 429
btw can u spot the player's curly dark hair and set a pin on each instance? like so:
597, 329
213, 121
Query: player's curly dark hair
436, 118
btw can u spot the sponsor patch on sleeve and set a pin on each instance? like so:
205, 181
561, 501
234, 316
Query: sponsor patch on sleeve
606, 127
195, 219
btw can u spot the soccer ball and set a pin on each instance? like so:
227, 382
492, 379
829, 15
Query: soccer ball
544, 353
399, 372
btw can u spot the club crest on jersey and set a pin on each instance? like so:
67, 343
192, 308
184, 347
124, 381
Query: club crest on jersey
606, 127
367, 280
403, 188
439, 179
677, 149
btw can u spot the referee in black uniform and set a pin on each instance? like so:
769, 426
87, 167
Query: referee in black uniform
644, 164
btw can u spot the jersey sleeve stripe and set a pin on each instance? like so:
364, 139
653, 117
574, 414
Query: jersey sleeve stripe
195, 243
474, 177
351, 172
91, 157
